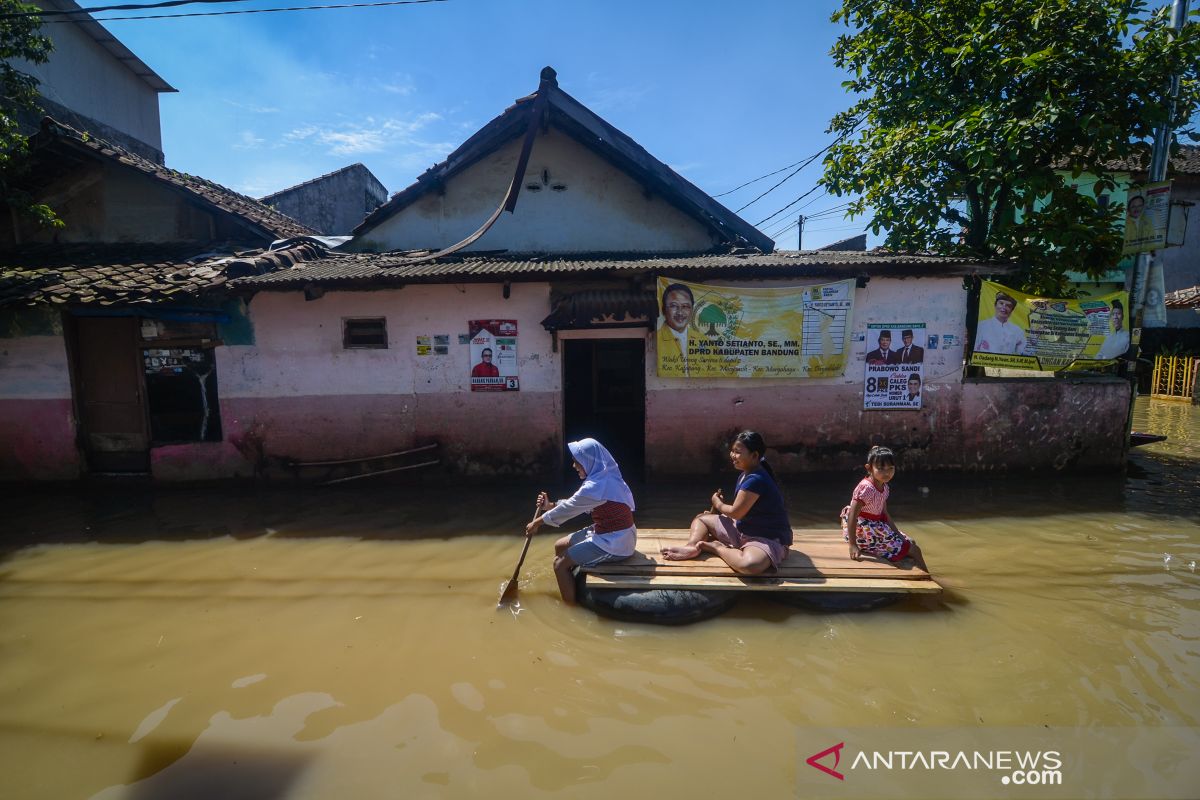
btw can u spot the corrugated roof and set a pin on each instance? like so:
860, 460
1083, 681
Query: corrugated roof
581, 123
1186, 161
126, 274
265, 220
370, 270
1182, 299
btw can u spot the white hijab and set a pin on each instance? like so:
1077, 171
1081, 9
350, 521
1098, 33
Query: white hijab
603, 481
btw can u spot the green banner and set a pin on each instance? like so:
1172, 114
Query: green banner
1021, 331
750, 332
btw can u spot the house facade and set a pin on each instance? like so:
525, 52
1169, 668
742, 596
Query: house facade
544, 239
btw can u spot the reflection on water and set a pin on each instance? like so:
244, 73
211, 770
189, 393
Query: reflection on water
345, 643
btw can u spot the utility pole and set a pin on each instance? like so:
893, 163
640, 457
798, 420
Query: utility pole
1158, 170
800, 235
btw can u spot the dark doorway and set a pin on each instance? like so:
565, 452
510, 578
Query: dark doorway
112, 414
604, 397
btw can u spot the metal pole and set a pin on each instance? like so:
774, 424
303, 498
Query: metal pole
800, 235
1159, 157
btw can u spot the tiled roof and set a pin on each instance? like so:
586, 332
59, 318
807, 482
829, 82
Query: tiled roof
368, 270
570, 116
1185, 162
122, 274
1184, 298
270, 223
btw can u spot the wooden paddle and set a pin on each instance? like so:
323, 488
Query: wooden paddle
509, 593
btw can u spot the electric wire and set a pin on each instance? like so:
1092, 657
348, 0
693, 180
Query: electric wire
54, 12
249, 11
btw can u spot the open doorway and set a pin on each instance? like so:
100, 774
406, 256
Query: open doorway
604, 397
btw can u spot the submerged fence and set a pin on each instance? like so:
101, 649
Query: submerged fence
1174, 377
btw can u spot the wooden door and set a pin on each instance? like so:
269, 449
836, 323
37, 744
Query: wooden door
112, 411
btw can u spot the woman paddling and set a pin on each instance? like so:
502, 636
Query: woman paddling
752, 534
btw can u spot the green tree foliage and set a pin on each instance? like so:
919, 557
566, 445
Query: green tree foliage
969, 111
19, 39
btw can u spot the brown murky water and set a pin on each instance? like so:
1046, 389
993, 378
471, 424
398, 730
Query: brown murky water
345, 643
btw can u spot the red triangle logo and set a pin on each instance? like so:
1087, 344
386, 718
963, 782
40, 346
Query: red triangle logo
813, 760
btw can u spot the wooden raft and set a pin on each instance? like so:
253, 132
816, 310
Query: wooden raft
819, 561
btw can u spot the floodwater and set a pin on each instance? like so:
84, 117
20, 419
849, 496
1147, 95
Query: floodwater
345, 642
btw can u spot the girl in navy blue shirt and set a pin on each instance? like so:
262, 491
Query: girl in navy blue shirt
752, 534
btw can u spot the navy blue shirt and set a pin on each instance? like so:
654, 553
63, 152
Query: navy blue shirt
767, 518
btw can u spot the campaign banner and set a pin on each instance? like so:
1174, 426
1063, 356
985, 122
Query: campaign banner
1147, 212
494, 355
895, 367
1021, 331
753, 332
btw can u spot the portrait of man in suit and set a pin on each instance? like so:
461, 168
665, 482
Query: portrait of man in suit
677, 305
884, 354
910, 353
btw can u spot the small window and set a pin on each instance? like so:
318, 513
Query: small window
369, 332
181, 394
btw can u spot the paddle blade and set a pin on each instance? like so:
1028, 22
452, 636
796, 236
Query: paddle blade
508, 595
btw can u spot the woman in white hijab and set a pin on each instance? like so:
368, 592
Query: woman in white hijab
612, 535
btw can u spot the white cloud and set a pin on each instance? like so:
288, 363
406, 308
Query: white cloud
246, 140
371, 136
253, 108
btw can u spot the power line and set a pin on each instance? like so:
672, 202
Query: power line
791, 174
253, 11
97, 9
789, 205
756, 180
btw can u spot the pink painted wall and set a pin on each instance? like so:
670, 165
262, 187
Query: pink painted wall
37, 421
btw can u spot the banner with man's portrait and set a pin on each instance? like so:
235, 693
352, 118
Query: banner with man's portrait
752, 332
1021, 331
1147, 212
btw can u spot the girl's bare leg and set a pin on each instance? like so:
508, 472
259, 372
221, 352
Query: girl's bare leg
700, 531
916, 555
746, 561
563, 564
561, 545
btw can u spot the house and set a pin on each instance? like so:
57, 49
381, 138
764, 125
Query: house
332, 204
110, 324
94, 83
547, 238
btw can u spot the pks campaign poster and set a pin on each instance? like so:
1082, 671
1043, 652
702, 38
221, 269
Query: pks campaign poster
895, 365
753, 332
494, 355
1017, 330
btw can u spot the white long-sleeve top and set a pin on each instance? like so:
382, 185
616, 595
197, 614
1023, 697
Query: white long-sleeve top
618, 543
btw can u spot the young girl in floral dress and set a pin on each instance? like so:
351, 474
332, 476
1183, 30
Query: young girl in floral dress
874, 532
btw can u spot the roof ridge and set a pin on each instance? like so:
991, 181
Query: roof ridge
337, 171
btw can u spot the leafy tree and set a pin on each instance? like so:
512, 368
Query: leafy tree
19, 39
969, 111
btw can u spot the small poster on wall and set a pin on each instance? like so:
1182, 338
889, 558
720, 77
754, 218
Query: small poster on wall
895, 372
494, 355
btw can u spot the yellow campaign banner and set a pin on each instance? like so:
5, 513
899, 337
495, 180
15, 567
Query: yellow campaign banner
751, 332
1017, 330
1147, 211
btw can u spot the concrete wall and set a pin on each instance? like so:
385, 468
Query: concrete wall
582, 203
297, 394
1181, 265
37, 422
84, 77
332, 204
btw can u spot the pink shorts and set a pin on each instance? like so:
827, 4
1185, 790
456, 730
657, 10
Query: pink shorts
727, 533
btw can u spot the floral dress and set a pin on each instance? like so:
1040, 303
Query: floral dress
874, 534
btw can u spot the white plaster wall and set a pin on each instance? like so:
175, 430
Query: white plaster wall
298, 345
85, 77
601, 208
34, 368
939, 303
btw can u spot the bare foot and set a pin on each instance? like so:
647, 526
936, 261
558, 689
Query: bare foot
683, 552
709, 546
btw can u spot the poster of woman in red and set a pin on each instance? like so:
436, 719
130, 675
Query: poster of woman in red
494, 355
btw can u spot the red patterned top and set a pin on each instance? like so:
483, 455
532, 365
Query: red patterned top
874, 502
612, 516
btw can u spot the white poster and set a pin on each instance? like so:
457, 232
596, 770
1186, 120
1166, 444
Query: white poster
895, 368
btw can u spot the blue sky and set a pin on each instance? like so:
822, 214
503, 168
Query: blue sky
723, 92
